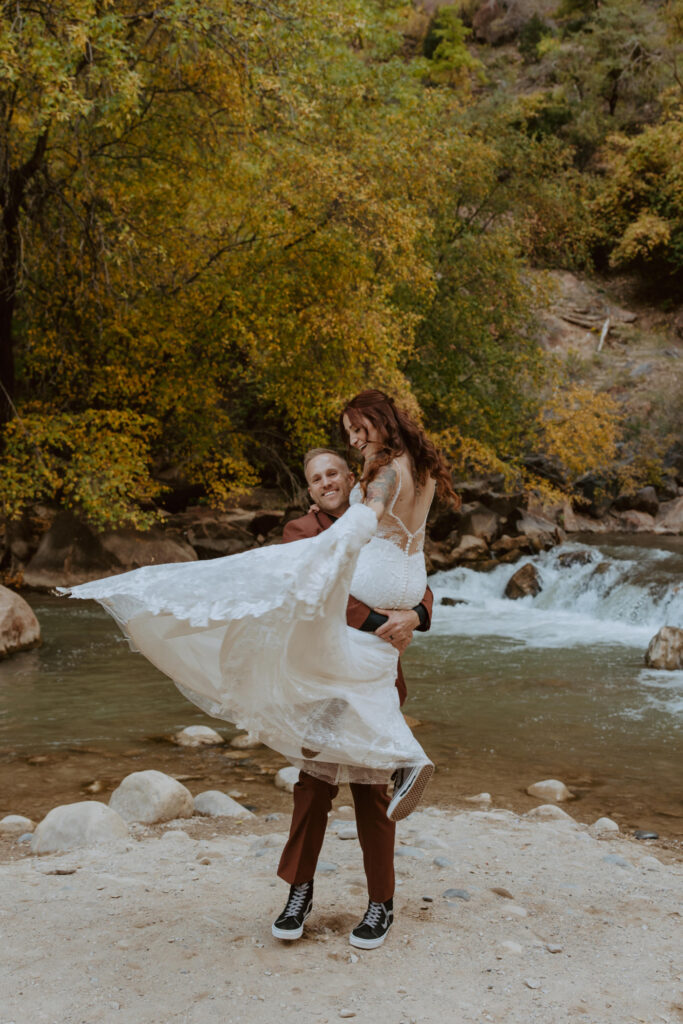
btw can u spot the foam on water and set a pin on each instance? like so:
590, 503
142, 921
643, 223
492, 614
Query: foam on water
619, 600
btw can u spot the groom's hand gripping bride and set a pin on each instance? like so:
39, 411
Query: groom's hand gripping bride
329, 484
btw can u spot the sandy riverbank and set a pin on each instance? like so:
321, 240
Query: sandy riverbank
173, 925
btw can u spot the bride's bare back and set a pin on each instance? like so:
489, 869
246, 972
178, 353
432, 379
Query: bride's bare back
402, 504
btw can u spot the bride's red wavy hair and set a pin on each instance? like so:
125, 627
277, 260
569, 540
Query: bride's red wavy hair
400, 433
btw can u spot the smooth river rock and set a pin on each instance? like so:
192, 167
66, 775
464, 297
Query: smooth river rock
665, 650
550, 789
548, 812
198, 736
219, 805
287, 778
245, 741
524, 583
19, 628
604, 826
15, 823
81, 824
150, 797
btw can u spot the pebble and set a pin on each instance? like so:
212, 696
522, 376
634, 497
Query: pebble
410, 851
650, 863
456, 894
428, 899
638, 834
479, 798
553, 948
614, 858
532, 983
511, 947
550, 789
505, 893
25, 838
353, 959
442, 862
327, 867
347, 1013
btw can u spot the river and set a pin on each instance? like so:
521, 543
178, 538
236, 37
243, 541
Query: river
509, 692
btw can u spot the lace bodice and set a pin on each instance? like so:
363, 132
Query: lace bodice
391, 572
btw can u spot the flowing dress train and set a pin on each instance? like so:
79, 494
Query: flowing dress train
260, 639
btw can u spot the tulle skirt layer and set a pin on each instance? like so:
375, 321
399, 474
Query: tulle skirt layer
260, 639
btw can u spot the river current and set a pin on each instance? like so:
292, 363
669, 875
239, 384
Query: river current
551, 686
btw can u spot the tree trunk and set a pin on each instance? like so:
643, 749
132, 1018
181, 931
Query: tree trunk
11, 200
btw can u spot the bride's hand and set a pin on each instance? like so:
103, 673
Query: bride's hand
398, 629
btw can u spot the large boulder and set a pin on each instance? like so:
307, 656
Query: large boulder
150, 797
469, 549
524, 583
69, 553
542, 533
636, 522
19, 628
481, 522
644, 500
81, 824
219, 534
665, 650
133, 548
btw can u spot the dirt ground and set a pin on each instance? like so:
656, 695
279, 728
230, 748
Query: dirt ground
499, 917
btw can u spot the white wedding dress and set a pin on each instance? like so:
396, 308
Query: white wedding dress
260, 639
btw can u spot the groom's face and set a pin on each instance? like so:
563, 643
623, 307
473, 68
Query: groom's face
329, 483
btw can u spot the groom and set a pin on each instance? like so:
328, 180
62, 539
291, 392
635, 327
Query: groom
329, 482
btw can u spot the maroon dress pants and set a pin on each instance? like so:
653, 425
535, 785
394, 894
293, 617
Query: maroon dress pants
312, 803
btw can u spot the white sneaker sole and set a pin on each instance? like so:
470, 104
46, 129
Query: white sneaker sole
368, 943
288, 934
410, 794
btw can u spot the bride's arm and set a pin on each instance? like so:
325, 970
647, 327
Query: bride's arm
381, 490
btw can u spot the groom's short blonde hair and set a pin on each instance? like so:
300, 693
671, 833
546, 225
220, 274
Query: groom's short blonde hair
313, 453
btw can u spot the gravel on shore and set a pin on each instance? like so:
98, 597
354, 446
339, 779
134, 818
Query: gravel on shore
499, 918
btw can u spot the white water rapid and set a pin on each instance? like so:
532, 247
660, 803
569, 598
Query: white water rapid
613, 598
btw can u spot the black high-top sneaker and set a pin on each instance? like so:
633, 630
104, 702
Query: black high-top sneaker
372, 931
409, 784
290, 923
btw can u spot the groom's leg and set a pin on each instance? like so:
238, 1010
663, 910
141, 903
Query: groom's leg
376, 834
312, 803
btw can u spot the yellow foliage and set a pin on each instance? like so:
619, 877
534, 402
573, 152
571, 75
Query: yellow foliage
580, 428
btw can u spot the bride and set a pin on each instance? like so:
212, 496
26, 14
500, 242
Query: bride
260, 638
